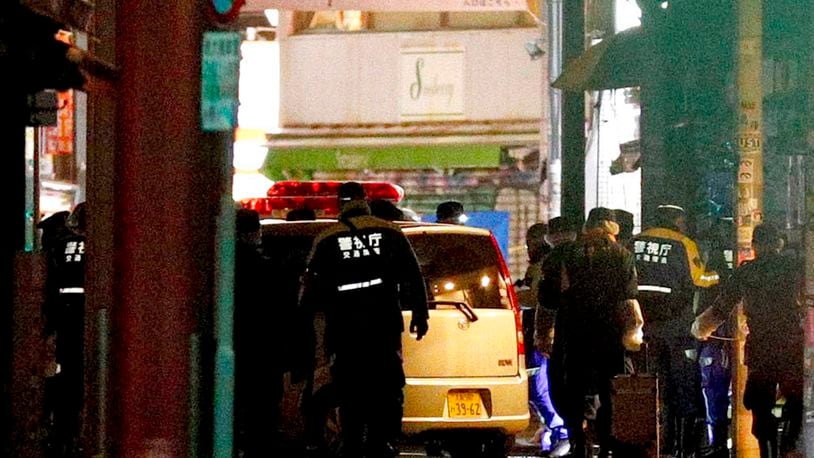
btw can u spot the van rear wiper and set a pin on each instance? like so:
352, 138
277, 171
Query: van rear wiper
462, 307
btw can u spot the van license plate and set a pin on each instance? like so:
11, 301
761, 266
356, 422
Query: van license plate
464, 404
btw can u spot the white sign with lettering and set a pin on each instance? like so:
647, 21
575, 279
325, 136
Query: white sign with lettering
432, 83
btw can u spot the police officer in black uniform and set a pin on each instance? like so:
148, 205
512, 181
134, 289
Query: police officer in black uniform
362, 272
771, 288
670, 273
65, 317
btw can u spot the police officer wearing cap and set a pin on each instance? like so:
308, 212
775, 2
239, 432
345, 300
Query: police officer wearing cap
362, 272
65, 318
671, 272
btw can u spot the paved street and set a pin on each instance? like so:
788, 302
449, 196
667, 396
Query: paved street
522, 448
292, 428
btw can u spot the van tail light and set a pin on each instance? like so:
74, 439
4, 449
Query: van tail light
518, 316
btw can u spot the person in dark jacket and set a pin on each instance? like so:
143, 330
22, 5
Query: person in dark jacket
258, 371
54, 228
554, 439
386, 210
362, 272
771, 289
671, 273
591, 284
65, 318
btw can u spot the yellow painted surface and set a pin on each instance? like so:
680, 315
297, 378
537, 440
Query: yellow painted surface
750, 191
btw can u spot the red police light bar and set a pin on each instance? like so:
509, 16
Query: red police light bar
316, 189
320, 196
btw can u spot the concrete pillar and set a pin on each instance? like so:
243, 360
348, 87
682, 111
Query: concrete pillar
169, 180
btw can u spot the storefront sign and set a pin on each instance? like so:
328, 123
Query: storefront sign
390, 158
220, 70
59, 138
432, 83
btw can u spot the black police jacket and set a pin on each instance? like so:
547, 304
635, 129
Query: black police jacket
771, 290
362, 272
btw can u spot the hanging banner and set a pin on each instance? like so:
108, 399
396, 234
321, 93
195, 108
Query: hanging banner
390, 5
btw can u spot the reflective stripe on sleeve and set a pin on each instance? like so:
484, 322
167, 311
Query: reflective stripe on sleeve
710, 278
656, 289
360, 285
75, 290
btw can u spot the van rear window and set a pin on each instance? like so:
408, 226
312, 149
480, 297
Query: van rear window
456, 267
461, 267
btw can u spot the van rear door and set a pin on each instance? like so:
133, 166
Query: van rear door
472, 324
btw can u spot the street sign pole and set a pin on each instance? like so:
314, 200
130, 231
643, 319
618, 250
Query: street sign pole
750, 192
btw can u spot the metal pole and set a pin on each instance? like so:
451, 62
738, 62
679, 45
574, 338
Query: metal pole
224, 310
573, 117
555, 108
750, 190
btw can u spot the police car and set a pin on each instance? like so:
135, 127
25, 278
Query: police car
467, 387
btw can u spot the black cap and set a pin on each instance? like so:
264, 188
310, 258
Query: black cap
559, 225
537, 231
599, 214
54, 221
449, 210
766, 234
668, 216
351, 190
246, 220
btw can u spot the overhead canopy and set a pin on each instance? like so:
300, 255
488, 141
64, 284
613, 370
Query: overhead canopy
621, 60
390, 5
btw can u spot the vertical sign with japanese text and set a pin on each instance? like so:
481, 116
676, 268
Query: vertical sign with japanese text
220, 69
59, 139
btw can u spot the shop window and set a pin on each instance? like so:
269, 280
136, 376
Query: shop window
354, 21
330, 21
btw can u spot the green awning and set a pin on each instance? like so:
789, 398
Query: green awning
388, 158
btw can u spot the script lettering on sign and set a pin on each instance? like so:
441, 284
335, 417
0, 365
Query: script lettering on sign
432, 83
